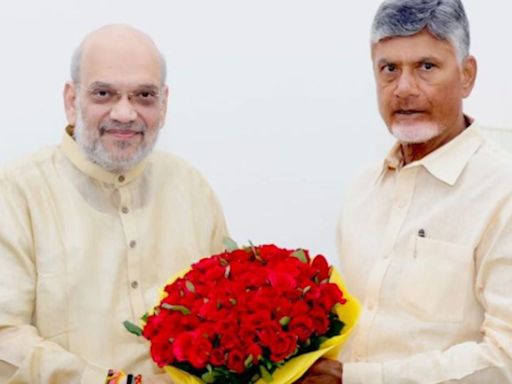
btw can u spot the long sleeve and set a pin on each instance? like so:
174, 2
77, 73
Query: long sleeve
82, 250
25, 357
470, 362
427, 248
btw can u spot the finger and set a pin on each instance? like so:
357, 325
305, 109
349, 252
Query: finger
321, 379
327, 367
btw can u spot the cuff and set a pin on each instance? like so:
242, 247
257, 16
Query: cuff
94, 374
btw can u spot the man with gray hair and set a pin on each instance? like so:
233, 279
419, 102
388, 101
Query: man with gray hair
425, 238
91, 229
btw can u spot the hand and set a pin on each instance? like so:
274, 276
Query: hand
324, 371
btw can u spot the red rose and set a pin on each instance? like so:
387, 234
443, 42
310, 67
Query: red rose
281, 280
321, 267
255, 351
247, 335
260, 303
268, 333
299, 308
271, 252
284, 345
236, 361
199, 352
218, 357
182, 345
240, 255
162, 351
229, 340
329, 295
320, 321
206, 264
302, 327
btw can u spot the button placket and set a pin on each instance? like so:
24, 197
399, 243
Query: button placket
133, 252
404, 188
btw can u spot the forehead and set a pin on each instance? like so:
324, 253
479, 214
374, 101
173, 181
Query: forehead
412, 48
120, 62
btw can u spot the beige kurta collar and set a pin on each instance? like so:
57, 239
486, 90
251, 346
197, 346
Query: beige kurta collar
75, 154
445, 163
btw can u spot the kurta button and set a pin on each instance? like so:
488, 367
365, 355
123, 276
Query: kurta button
125, 210
133, 244
121, 178
134, 284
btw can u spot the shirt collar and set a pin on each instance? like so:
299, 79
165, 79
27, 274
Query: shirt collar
77, 156
445, 163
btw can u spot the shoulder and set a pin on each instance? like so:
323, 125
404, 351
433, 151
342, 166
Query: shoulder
27, 167
366, 177
492, 162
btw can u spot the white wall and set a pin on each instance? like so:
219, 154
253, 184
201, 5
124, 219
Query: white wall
273, 100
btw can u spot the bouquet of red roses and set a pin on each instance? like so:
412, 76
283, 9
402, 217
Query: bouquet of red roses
243, 316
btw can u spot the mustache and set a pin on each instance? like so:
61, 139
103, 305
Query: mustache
135, 127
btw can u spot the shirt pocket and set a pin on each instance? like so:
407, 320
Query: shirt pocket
436, 280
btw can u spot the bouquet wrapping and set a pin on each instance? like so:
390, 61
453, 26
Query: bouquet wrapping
257, 314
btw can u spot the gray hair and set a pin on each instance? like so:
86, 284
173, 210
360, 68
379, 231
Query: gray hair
76, 60
444, 19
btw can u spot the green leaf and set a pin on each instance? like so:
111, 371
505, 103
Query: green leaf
285, 320
179, 308
190, 286
144, 317
265, 375
209, 377
227, 272
254, 252
248, 361
301, 255
230, 244
132, 328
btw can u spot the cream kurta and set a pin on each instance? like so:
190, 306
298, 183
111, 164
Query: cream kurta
82, 250
428, 250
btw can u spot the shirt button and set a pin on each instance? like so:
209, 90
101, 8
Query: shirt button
133, 244
125, 210
121, 178
134, 284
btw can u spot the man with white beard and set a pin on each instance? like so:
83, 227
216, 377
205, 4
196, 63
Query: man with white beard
91, 229
425, 238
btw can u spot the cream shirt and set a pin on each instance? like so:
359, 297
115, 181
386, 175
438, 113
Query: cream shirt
428, 249
82, 250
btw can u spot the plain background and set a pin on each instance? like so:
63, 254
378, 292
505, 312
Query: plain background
273, 100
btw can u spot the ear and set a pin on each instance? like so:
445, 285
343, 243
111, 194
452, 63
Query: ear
70, 96
469, 71
163, 110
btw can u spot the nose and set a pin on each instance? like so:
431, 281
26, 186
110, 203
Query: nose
123, 111
406, 85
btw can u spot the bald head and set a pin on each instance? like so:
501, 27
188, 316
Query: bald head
116, 43
117, 100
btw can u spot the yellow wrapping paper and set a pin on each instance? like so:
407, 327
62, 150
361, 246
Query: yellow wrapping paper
296, 367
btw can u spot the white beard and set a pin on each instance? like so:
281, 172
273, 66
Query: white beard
415, 133
96, 152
